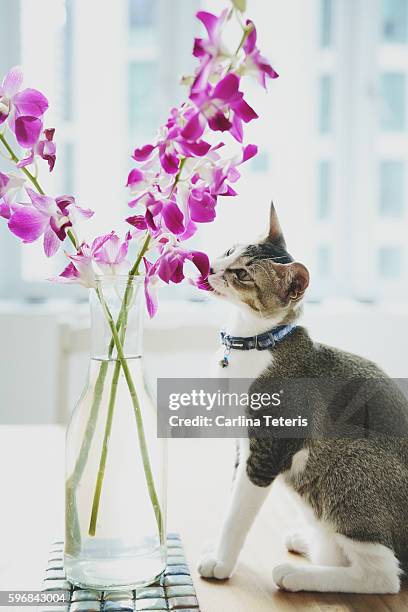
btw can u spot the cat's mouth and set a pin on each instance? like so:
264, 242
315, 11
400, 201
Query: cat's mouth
214, 282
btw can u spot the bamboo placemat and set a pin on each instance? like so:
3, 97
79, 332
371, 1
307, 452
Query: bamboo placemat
175, 590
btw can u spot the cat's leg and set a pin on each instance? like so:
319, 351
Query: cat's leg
299, 539
316, 543
245, 503
371, 568
324, 548
298, 542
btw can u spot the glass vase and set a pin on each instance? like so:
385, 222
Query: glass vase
115, 464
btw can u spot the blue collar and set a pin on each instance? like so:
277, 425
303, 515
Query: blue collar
262, 342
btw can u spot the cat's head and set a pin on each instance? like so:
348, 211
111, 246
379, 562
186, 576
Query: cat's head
261, 278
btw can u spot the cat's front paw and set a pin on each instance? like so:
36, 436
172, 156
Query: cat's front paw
210, 566
285, 577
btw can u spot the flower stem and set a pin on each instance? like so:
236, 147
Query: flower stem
104, 454
121, 325
15, 159
73, 480
73, 239
138, 415
245, 34
135, 269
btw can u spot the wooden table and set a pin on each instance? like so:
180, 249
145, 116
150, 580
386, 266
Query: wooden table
31, 516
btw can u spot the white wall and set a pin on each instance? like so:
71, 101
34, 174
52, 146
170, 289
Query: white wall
179, 342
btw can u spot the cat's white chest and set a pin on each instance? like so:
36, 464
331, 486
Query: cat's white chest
241, 364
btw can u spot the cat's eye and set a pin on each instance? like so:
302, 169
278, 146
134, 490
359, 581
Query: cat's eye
242, 275
229, 252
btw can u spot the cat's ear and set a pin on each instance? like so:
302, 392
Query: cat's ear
275, 233
294, 280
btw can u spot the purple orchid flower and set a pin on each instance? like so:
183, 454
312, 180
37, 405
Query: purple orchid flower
9, 187
81, 268
162, 214
137, 221
135, 177
44, 217
72, 275
10, 184
165, 216
208, 51
23, 109
150, 287
6, 207
229, 172
213, 107
202, 205
4, 184
111, 254
44, 148
217, 175
255, 63
171, 146
169, 267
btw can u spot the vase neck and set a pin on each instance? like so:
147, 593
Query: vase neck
116, 299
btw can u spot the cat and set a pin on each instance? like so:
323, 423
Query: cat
353, 491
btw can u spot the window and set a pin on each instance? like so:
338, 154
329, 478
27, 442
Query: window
326, 27
323, 261
144, 60
391, 188
143, 21
389, 263
260, 163
324, 189
67, 161
67, 61
143, 96
394, 21
325, 106
393, 101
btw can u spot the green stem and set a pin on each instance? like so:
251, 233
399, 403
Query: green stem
73, 239
73, 480
246, 32
120, 325
135, 269
104, 454
15, 159
89, 429
138, 415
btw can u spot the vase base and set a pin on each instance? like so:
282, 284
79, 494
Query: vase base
116, 587
113, 573
172, 589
